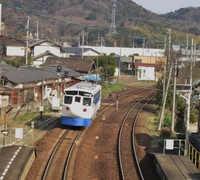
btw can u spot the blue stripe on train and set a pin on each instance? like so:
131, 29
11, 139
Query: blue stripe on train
75, 121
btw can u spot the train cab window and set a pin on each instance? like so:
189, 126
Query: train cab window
71, 92
86, 101
83, 93
77, 99
68, 100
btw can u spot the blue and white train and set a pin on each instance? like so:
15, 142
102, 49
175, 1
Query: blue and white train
81, 103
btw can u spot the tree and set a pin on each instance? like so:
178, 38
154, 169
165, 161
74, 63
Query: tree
106, 65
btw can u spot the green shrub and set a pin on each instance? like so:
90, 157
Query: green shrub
167, 121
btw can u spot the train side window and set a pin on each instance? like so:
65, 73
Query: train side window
86, 101
77, 99
68, 100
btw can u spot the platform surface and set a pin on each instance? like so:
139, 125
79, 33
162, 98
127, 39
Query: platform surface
176, 167
13, 161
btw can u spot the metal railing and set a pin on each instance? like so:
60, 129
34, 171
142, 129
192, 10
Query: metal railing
179, 147
194, 155
174, 146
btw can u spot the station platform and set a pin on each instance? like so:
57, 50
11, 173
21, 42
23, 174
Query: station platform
174, 167
15, 162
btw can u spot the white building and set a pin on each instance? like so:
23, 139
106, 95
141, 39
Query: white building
122, 51
15, 50
146, 73
44, 45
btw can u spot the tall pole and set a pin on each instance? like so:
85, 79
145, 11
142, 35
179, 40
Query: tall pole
187, 42
169, 54
164, 101
42, 100
143, 45
37, 32
174, 96
82, 34
165, 92
165, 42
0, 18
97, 68
27, 34
189, 97
164, 80
165, 64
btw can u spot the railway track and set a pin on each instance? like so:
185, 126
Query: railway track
115, 97
128, 161
107, 126
98, 150
57, 166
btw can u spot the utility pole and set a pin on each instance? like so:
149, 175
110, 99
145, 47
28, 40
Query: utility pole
82, 34
164, 101
165, 42
174, 96
187, 124
187, 42
169, 67
27, 36
97, 72
169, 54
165, 64
37, 31
164, 79
143, 45
101, 42
0, 18
42, 94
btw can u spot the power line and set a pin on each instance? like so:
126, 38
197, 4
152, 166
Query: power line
89, 27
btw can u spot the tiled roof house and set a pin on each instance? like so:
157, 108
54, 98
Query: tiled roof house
85, 66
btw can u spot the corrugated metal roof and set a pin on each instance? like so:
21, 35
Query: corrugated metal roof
32, 74
76, 50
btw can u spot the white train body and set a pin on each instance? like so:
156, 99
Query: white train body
80, 104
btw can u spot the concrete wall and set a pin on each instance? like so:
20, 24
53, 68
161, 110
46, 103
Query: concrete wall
32, 107
15, 51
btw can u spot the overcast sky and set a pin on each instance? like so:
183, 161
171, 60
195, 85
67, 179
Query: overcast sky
165, 6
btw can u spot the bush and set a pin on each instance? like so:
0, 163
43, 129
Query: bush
165, 133
167, 121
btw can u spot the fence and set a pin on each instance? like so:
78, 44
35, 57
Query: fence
174, 146
194, 155
182, 147
16, 136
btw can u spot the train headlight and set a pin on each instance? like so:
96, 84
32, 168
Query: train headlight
84, 110
67, 108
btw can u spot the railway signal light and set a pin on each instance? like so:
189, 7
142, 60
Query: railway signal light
59, 69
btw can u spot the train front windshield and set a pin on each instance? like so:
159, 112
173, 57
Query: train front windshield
87, 101
80, 93
68, 99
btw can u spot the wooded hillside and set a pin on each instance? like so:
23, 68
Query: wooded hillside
65, 19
